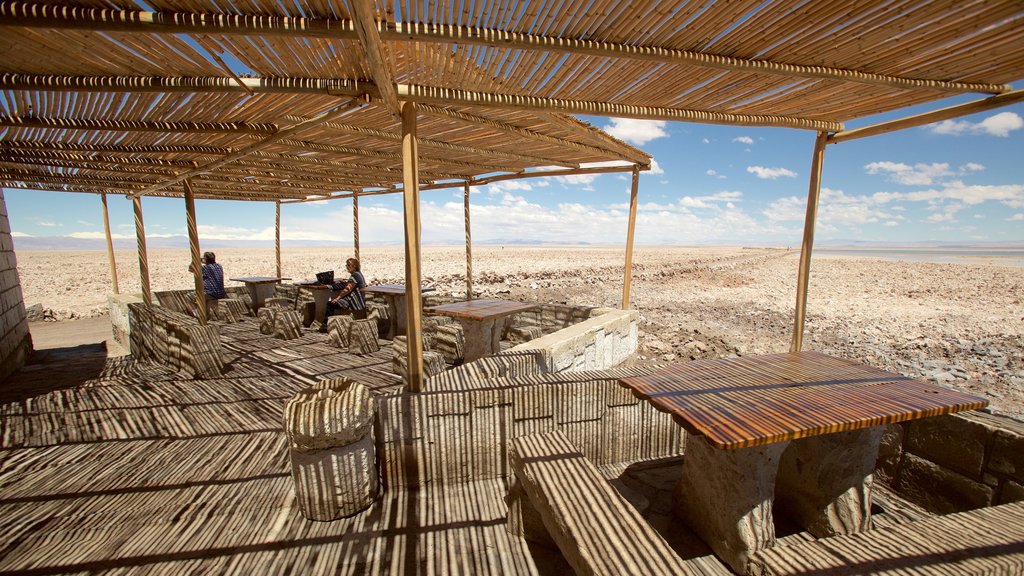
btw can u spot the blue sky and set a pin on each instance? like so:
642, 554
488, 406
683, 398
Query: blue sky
956, 181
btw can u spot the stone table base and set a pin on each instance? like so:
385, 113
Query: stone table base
482, 337
725, 496
824, 482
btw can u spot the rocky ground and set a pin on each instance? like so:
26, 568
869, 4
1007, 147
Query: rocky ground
958, 324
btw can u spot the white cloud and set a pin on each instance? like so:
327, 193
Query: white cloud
17, 234
997, 125
638, 132
770, 173
744, 140
655, 168
971, 167
1018, 217
917, 175
48, 224
84, 222
705, 141
711, 172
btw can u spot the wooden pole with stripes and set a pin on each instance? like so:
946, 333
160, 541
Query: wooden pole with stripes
140, 234
469, 246
413, 298
277, 237
110, 245
355, 225
804, 273
193, 244
630, 230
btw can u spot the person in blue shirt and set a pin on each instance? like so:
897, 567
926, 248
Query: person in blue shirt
350, 296
213, 281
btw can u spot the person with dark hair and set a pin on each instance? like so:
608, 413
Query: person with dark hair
350, 296
213, 277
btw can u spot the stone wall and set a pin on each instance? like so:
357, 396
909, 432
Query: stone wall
175, 340
605, 339
955, 463
120, 317
554, 317
15, 340
459, 436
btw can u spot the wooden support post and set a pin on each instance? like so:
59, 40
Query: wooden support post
627, 279
193, 243
469, 247
110, 246
355, 225
804, 273
140, 234
277, 237
413, 296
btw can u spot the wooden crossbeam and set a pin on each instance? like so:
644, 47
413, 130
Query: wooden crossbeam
187, 84
14, 154
368, 33
57, 16
6, 145
435, 158
454, 97
930, 117
409, 92
137, 126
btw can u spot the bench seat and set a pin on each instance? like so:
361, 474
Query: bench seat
982, 541
596, 529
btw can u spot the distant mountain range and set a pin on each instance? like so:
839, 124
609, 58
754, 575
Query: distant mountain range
68, 243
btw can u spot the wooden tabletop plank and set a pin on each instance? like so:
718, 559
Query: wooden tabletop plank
742, 402
480, 309
395, 289
257, 279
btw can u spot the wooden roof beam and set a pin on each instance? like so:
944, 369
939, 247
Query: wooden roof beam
997, 101
137, 126
25, 145
452, 97
57, 16
334, 113
416, 93
433, 158
367, 30
189, 84
15, 154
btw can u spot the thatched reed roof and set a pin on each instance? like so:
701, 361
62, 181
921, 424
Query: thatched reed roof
124, 97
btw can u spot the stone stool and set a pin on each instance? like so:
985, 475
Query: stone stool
266, 318
279, 303
433, 362
337, 330
520, 334
286, 324
362, 337
450, 341
329, 427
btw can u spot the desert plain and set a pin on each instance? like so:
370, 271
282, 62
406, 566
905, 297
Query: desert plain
957, 323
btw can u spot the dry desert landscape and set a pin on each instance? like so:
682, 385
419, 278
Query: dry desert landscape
959, 324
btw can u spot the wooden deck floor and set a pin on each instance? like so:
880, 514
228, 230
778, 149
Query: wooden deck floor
112, 466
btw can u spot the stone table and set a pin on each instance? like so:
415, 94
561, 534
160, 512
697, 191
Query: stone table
481, 324
798, 430
395, 294
260, 288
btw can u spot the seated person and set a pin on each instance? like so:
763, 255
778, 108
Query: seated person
213, 281
351, 295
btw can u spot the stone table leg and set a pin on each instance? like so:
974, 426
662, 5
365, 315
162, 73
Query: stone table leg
397, 307
479, 336
824, 482
260, 292
725, 496
320, 298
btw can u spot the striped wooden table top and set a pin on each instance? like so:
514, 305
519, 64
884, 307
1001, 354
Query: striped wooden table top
480, 309
742, 402
397, 289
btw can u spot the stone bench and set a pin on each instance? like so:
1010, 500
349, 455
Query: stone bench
175, 340
982, 541
559, 495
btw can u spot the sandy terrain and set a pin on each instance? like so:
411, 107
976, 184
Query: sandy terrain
959, 324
